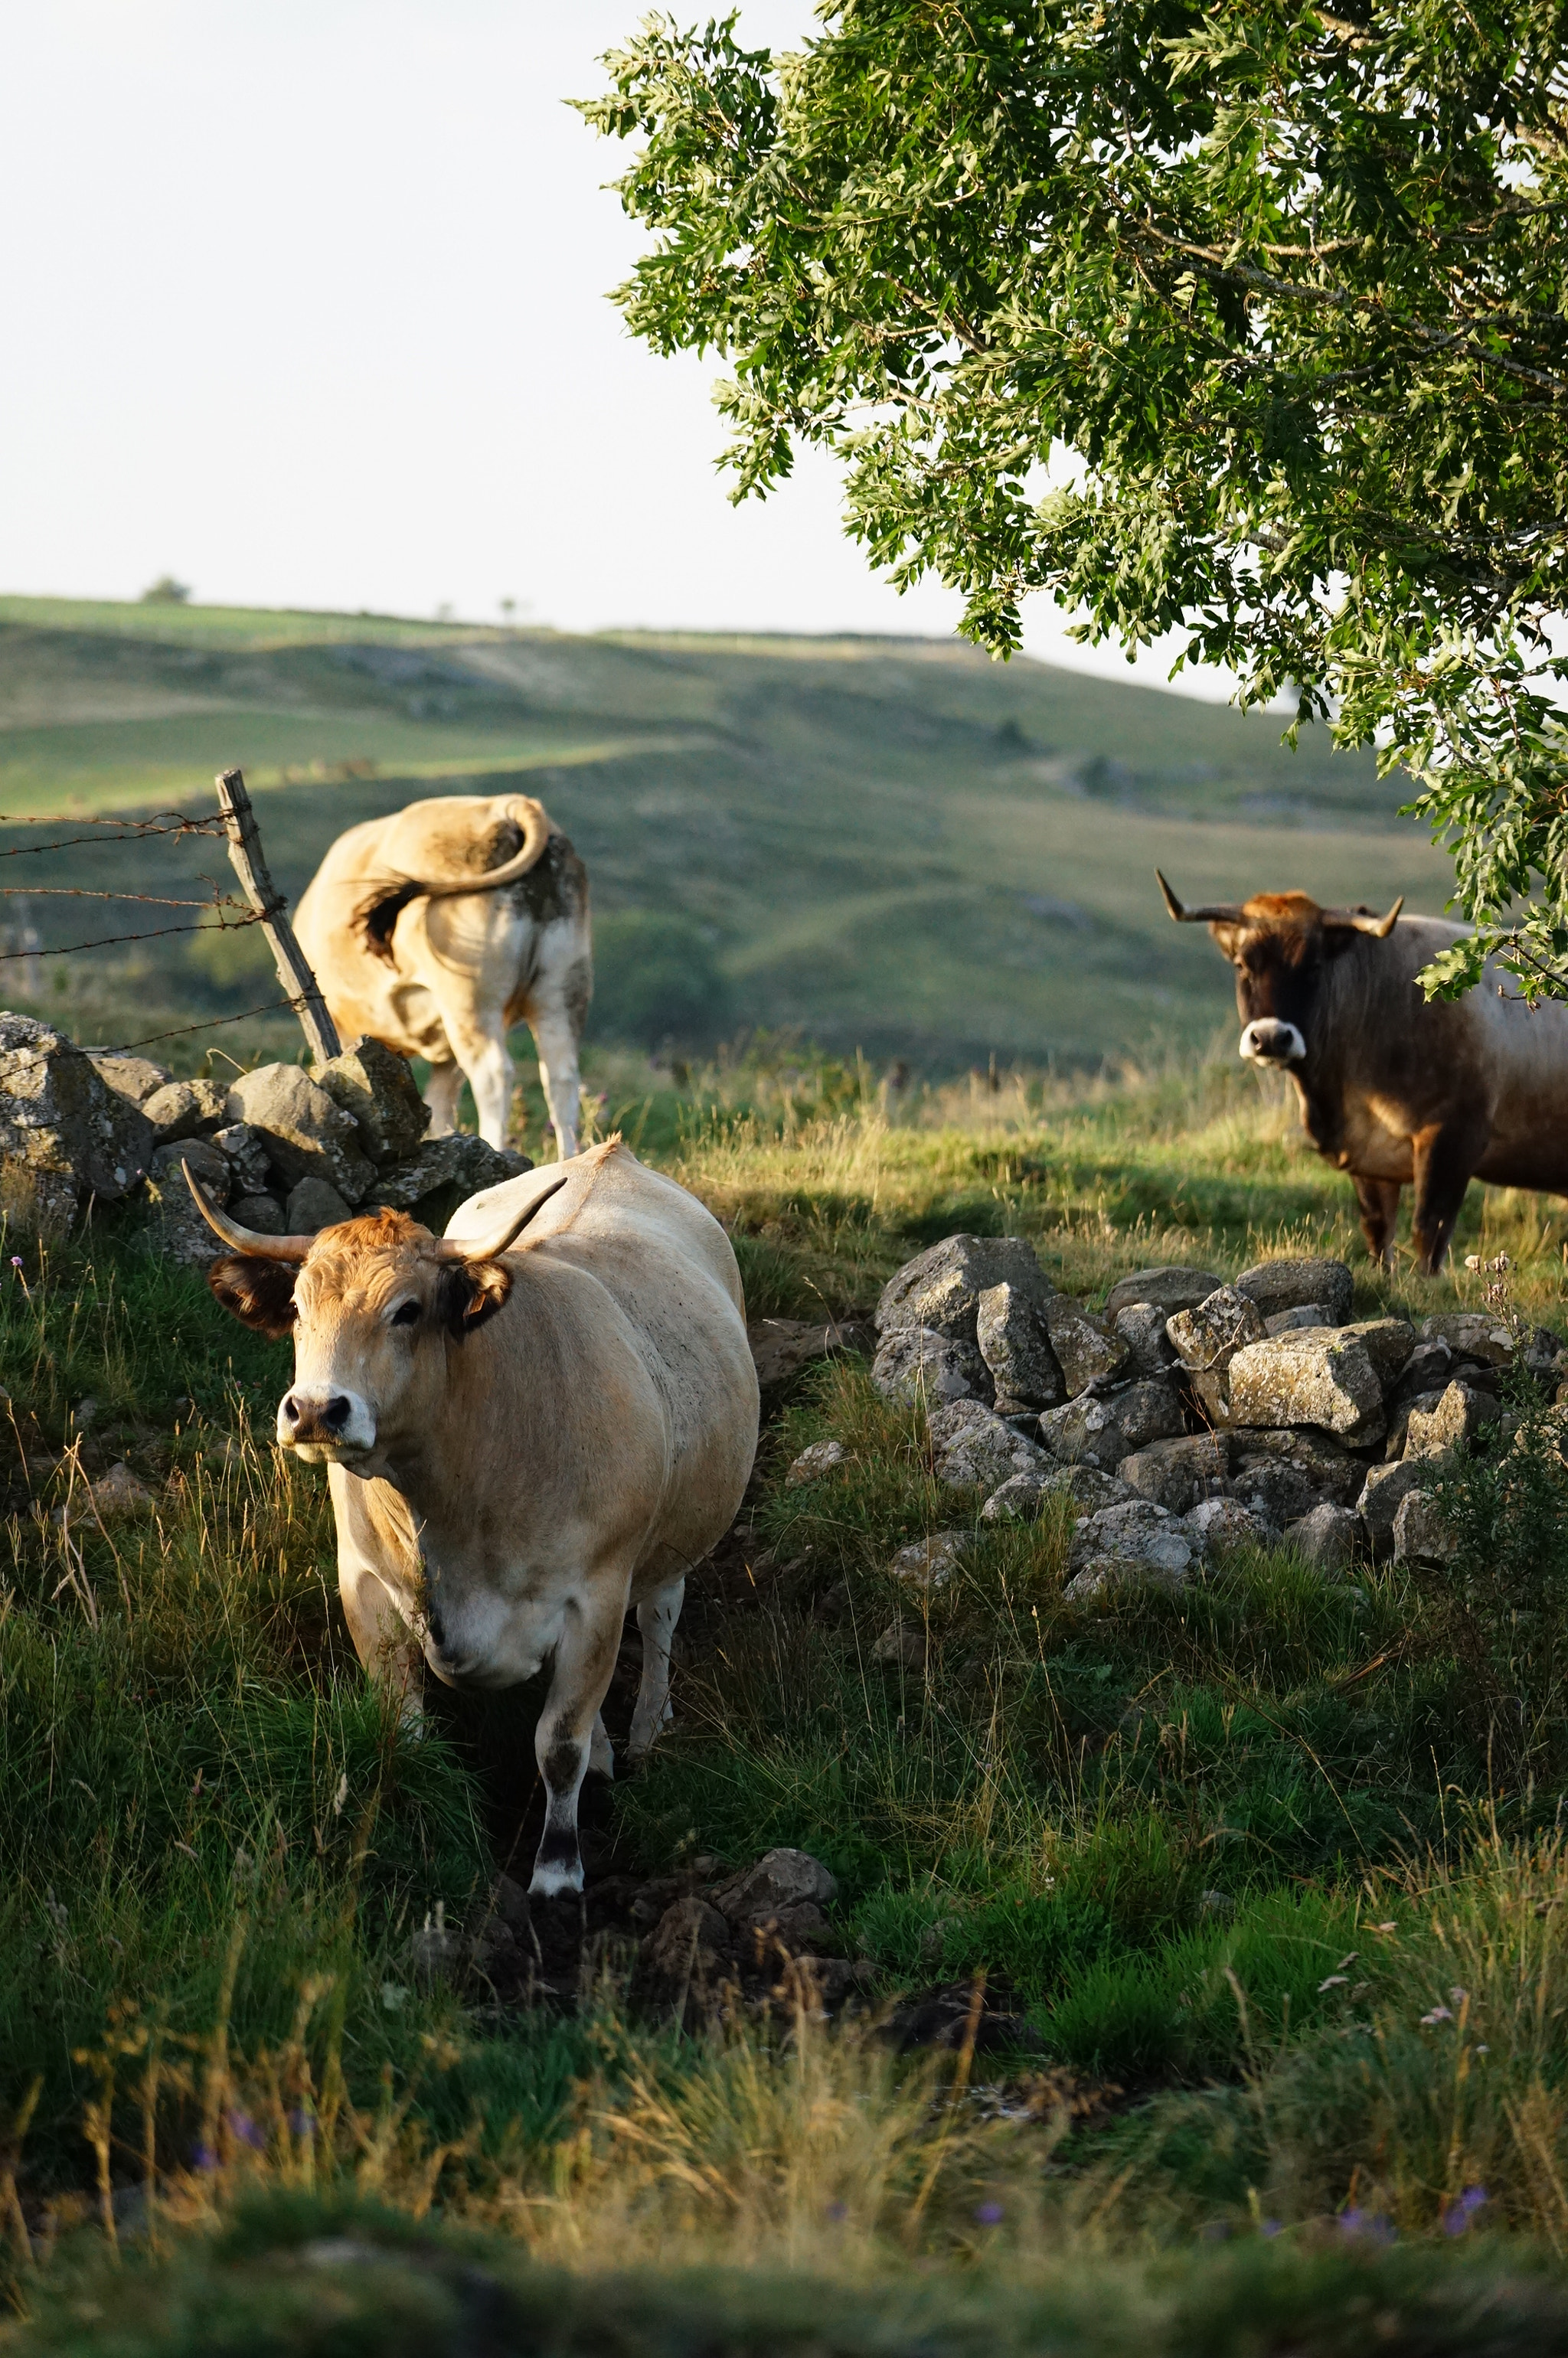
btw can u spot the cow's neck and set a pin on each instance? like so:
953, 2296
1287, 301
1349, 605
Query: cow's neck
500, 1382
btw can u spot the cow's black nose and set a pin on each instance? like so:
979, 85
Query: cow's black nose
335, 1415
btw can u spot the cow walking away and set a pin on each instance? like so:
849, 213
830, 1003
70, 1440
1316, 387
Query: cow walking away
1396, 1089
530, 1424
436, 929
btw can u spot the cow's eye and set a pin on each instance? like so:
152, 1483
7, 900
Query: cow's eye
405, 1315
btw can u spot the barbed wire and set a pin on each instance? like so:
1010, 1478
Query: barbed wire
89, 892
132, 830
17, 1060
155, 934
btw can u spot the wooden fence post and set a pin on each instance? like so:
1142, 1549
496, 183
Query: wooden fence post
292, 967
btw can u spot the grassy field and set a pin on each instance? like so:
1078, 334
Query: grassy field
895, 847
1274, 1869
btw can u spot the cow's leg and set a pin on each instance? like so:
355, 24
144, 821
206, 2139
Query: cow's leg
481, 1050
656, 1618
1379, 1202
555, 1037
382, 1639
442, 1090
1446, 1156
585, 1659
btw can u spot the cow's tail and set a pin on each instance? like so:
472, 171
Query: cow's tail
377, 913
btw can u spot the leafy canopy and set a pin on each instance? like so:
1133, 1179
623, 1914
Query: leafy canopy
1238, 317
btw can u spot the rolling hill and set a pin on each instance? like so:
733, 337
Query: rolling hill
895, 846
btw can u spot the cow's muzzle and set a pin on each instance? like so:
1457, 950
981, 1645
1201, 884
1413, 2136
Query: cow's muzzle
1268, 1042
318, 1422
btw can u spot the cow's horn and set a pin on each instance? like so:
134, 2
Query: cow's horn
1219, 912
468, 1249
1364, 921
532, 819
244, 1240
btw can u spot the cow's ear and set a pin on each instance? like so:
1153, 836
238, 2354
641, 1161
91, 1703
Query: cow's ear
467, 1292
261, 1293
1227, 936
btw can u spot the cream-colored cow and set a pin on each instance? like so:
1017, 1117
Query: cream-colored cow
522, 1439
439, 928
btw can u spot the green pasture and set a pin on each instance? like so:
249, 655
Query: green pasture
899, 847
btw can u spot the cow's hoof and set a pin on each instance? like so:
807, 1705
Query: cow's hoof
556, 1881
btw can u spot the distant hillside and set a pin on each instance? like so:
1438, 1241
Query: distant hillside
894, 845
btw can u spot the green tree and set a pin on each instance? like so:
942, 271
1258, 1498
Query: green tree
1243, 317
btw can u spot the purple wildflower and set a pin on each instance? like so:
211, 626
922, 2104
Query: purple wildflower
302, 2123
1270, 2227
989, 2214
1461, 2212
202, 2157
838, 2210
1371, 2225
242, 2126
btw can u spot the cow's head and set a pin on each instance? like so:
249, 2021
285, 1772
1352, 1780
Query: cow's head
1278, 944
375, 1306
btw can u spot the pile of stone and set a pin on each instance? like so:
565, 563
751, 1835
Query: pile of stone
283, 1150
1189, 1416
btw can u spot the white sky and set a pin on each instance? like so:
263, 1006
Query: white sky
304, 302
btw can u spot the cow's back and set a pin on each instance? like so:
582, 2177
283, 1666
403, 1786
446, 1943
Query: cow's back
670, 1271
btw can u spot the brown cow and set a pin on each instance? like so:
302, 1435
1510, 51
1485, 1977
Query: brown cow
529, 1424
1396, 1089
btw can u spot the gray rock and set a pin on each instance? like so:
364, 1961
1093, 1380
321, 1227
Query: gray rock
1427, 1369
262, 1213
186, 1109
1472, 1335
202, 1157
1385, 1491
1389, 1343
902, 1644
65, 1137
175, 1227
1322, 1379
1013, 1341
941, 1288
1459, 1415
1421, 1536
376, 1086
972, 1448
1141, 1327
1134, 1545
313, 1204
1282, 1475
1218, 1525
1169, 1288
1087, 1350
1400, 1422
1025, 1498
1290, 1321
781, 1878
1176, 1474
309, 1137
456, 1161
136, 1078
1101, 1430
689, 1939
245, 1150
1205, 1339
915, 1363
1276, 1285
930, 1563
1541, 1356
1329, 1537
813, 1464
